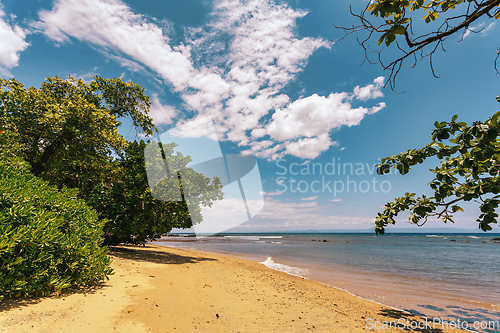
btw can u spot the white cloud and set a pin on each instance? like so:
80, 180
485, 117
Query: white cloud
308, 121
131, 65
480, 29
309, 147
310, 198
370, 91
314, 115
12, 42
111, 24
488, 29
270, 193
232, 70
161, 114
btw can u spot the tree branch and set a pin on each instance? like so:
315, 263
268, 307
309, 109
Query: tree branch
475, 10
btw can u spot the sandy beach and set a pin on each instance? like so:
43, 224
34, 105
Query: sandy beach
159, 289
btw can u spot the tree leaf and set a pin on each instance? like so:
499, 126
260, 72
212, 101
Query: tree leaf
398, 30
389, 39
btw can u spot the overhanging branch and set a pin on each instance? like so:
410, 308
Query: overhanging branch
415, 44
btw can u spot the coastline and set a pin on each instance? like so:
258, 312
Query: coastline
451, 285
163, 289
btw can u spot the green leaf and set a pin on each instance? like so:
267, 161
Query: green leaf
381, 39
492, 133
389, 39
398, 30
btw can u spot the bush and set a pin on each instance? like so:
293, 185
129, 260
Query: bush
49, 239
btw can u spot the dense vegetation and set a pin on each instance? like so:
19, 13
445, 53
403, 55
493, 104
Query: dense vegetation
125, 200
49, 239
70, 183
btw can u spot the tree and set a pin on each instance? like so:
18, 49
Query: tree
125, 199
470, 170
469, 155
399, 25
51, 238
68, 133
68, 128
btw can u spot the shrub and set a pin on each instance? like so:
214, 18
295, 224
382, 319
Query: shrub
49, 239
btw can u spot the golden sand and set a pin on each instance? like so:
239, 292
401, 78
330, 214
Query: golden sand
159, 289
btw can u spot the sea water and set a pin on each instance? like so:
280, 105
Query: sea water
440, 276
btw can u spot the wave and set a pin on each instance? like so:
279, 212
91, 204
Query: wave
296, 271
251, 238
455, 236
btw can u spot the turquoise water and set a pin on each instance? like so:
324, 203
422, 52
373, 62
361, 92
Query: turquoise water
450, 276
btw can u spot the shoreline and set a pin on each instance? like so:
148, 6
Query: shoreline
288, 273
411, 293
163, 289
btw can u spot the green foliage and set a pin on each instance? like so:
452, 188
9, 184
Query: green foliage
469, 155
68, 128
68, 133
470, 170
398, 22
64, 135
397, 14
134, 216
49, 239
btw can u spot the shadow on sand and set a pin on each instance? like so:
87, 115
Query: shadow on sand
9, 303
489, 318
408, 322
126, 252
153, 255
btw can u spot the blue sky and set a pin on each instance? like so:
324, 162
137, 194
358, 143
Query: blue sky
277, 87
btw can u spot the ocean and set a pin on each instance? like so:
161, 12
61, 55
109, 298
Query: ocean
441, 276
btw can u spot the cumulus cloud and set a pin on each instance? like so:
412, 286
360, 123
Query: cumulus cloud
111, 24
308, 147
305, 124
12, 43
370, 91
161, 114
232, 71
314, 115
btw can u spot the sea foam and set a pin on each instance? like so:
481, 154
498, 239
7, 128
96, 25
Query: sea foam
269, 263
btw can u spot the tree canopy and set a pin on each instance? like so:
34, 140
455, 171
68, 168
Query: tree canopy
133, 214
417, 28
67, 130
